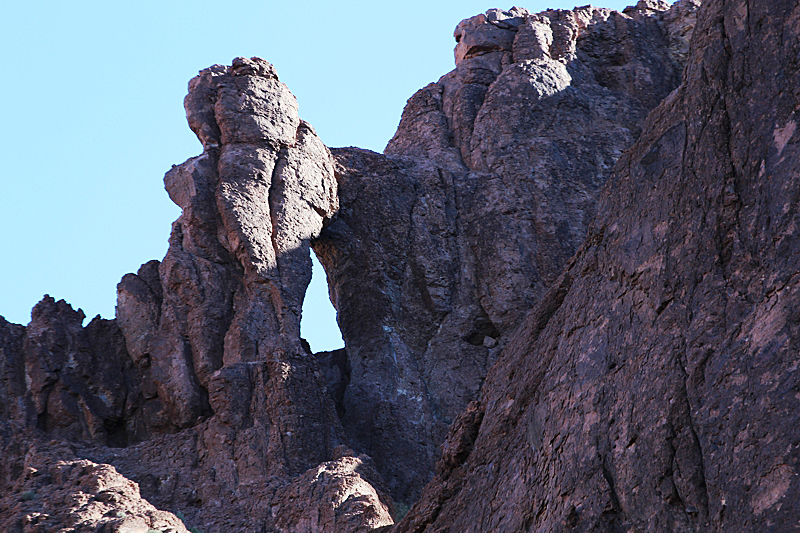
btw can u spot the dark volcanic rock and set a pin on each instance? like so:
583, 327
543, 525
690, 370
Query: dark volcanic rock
339, 495
74, 382
220, 321
335, 369
651, 386
232, 283
486, 190
655, 386
12, 371
58, 492
229, 292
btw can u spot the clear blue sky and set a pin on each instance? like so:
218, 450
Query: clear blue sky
93, 117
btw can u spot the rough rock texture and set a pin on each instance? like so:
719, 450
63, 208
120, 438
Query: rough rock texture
655, 387
651, 386
220, 322
336, 496
58, 492
223, 480
486, 190
202, 386
74, 382
231, 287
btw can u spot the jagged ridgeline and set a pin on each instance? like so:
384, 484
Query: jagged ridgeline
567, 290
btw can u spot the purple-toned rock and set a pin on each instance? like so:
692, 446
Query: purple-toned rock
338, 495
654, 387
232, 283
560, 346
443, 244
202, 385
59, 492
75, 382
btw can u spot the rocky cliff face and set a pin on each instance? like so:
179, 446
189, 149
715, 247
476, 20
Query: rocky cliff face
613, 348
444, 243
655, 385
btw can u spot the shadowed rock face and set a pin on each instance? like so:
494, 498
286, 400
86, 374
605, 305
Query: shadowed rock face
74, 382
655, 386
486, 190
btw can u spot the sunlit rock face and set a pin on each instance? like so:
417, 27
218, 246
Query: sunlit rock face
202, 390
223, 334
443, 243
238, 265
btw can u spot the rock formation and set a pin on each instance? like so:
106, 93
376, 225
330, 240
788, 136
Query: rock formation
59, 492
204, 366
608, 332
655, 386
487, 189
74, 382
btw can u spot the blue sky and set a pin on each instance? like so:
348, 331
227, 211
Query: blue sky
93, 117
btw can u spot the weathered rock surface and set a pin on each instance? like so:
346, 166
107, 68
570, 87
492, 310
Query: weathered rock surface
652, 385
486, 190
220, 324
231, 287
202, 386
339, 495
58, 492
655, 387
74, 382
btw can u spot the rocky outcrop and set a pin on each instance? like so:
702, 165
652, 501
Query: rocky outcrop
338, 495
58, 492
654, 387
202, 389
75, 382
441, 245
220, 322
231, 287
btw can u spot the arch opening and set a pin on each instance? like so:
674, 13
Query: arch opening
318, 325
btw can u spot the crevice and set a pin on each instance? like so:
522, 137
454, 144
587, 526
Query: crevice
276, 186
615, 507
696, 440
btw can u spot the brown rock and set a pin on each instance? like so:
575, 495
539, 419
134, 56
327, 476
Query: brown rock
223, 335
215, 379
12, 371
335, 369
486, 190
58, 492
72, 381
139, 298
654, 387
238, 264
338, 495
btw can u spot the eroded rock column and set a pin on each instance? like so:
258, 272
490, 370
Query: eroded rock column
224, 308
